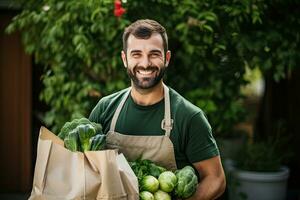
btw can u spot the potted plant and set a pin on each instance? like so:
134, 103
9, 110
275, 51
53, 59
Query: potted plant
258, 172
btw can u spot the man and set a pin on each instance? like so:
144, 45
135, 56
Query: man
152, 120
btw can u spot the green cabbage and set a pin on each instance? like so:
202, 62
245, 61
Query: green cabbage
167, 181
149, 183
161, 195
145, 195
186, 182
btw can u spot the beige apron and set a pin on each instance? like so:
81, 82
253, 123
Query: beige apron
159, 148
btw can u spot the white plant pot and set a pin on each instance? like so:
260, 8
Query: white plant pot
258, 185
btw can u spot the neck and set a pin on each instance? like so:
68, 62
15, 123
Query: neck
146, 97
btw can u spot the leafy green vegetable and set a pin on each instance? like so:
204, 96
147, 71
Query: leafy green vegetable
155, 170
145, 195
71, 141
85, 132
149, 183
187, 182
97, 142
82, 135
69, 126
144, 167
167, 181
162, 183
161, 195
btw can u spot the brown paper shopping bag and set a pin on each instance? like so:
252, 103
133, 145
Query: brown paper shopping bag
64, 175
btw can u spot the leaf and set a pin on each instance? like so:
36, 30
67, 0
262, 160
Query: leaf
209, 28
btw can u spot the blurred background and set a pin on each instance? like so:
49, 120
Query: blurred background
237, 60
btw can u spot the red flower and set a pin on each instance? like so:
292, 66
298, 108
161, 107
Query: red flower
118, 4
119, 10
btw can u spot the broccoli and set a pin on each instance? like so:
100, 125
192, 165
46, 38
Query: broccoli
98, 128
82, 135
71, 141
69, 126
97, 142
85, 132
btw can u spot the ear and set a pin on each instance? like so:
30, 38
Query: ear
168, 58
123, 55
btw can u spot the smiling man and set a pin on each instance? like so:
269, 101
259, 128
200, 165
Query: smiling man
151, 120
145, 78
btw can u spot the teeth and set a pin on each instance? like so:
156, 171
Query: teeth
145, 72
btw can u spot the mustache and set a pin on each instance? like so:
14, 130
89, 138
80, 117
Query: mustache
149, 68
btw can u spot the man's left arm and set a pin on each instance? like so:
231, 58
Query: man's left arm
212, 183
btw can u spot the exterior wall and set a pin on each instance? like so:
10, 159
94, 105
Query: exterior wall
15, 111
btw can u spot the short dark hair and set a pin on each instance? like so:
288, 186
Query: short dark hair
143, 29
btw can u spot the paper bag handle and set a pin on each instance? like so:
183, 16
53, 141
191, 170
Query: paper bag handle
43, 152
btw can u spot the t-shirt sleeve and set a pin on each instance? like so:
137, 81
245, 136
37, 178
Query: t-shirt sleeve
200, 143
95, 115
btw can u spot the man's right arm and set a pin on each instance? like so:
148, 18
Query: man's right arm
95, 115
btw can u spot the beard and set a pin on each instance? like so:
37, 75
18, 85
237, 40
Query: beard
146, 82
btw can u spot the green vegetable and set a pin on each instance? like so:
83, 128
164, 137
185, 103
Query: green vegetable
71, 141
162, 183
161, 195
97, 127
149, 183
161, 169
145, 195
85, 132
89, 135
186, 182
167, 181
97, 142
69, 126
145, 167
155, 170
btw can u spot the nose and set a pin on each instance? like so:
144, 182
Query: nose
145, 62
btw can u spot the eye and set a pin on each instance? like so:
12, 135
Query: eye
155, 55
135, 55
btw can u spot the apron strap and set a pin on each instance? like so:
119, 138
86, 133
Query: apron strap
166, 123
118, 110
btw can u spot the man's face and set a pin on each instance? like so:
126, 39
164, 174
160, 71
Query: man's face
145, 60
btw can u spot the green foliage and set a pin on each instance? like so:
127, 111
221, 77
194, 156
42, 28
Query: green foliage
260, 156
265, 154
79, 43
273, 46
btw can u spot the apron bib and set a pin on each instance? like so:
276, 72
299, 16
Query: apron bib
158, 149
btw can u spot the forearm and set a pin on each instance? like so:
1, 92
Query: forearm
209, 188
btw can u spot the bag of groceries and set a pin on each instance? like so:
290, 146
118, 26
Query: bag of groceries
64, 170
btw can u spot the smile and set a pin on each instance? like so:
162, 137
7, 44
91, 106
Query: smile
147, 72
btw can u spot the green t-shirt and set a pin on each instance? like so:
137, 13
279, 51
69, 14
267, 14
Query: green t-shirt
191, 134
